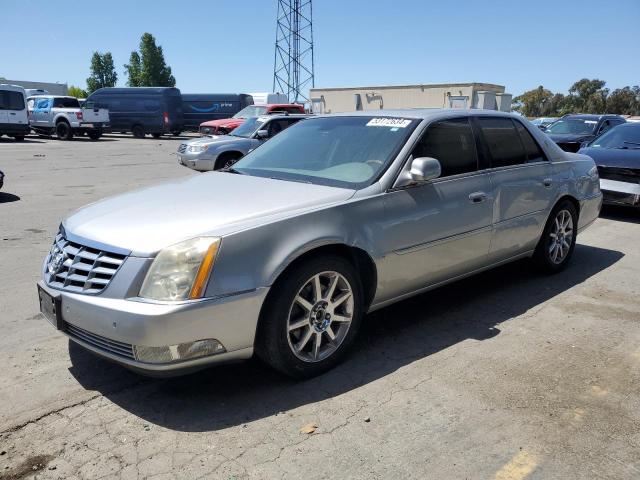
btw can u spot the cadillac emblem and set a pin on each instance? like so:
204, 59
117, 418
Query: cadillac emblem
56, 260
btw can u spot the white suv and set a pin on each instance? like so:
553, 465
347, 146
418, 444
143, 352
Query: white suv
13, 112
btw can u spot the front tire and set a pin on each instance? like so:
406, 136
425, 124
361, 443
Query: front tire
63, 131
95, 134
558, 240
311, 317
18, 138
226, 160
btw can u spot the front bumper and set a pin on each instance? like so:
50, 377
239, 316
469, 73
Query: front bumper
201, 162
104, 322
620, 193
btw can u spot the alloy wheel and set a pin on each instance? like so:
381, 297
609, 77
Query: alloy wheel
320, 316
560, 237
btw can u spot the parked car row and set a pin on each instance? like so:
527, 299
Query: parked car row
282, 254
612, 142
141, 111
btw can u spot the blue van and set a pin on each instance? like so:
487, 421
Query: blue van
202, 107
141, 110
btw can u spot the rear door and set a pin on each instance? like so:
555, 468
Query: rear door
440, 229
522, 185
41, 112
16, 108
4, 116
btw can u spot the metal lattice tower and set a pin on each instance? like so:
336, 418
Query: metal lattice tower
293, 64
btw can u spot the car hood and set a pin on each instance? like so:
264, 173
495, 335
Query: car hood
217, 203
569, 137
224, 122
214, 139
614, 157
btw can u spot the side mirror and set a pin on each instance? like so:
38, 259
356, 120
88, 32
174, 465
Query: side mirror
262, 134
424, 169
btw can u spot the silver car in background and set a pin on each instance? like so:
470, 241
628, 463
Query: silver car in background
284, 253
213, 152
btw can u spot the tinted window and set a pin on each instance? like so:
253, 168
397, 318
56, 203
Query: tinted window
11, 100
15, 100
531, 148
66, 103
502, 141
451, 142
276, 126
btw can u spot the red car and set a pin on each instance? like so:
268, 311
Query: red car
226, 125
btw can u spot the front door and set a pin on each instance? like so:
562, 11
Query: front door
441, 229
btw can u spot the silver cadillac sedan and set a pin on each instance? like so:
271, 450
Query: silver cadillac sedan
284, 253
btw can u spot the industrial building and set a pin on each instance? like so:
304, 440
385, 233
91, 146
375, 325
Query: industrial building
452, 95
52, 88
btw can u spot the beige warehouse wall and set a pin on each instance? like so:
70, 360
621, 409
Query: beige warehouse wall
403, 96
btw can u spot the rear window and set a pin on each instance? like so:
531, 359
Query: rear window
11, 100
66, 103
532, 149
502, 141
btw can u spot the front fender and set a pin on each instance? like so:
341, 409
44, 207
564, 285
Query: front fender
255, 257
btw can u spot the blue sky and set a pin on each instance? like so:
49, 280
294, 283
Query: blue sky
228, 45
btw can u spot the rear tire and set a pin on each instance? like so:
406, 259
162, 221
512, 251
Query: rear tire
138, 131
295, 317
63, 131
19, 138
555, 247
176, 133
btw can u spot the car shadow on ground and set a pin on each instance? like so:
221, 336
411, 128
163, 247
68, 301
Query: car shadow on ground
124, 136
620, 213
8, 197
391, 338
26, 140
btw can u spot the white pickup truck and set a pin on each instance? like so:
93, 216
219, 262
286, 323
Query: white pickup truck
49, 114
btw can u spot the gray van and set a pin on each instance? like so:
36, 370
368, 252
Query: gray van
141, 110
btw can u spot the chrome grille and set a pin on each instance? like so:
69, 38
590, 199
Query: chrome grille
102, 343
77, 268
182, 148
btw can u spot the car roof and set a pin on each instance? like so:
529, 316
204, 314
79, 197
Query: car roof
590, 116
424, 113
270, 105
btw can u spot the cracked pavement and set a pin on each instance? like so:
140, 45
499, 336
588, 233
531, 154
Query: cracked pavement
505, 375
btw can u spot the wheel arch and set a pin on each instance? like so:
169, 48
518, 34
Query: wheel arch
570, 198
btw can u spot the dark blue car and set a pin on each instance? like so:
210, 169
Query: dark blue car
570, 131
617, 155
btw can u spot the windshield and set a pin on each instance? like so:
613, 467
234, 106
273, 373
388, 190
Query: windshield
248, 128
572, 126
622, 136
349, 152
251, 111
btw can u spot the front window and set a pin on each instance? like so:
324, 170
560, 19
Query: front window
572, 126
251, 111
249, 127
348, 152
622, 137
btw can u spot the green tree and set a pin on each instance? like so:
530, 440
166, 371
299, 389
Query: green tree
624, 101
147, 68
77, 92
532, 103
588, 96
134, 69
103, 72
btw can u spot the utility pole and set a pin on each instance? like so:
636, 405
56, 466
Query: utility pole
293, 63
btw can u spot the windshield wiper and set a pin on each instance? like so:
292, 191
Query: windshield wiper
632, 143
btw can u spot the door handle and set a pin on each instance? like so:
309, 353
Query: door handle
547, 182
477, 197
12, 113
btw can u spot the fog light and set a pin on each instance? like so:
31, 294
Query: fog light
177, 353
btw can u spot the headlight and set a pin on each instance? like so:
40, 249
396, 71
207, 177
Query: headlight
181, 271
197, 148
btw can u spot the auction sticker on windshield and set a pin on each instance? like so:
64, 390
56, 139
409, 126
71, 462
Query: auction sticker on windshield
389, 122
